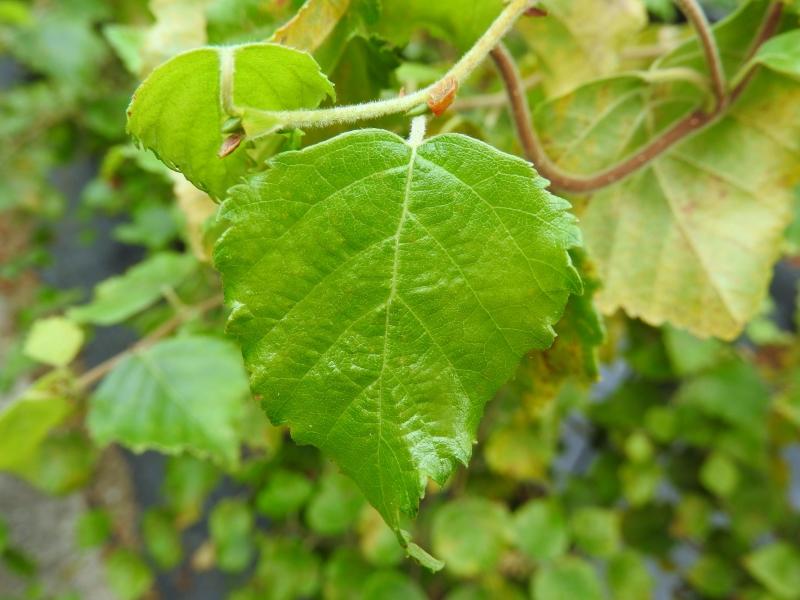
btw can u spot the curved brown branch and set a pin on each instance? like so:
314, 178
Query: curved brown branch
695, 15
561, 180
573, 183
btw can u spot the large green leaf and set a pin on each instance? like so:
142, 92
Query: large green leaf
183, 394
382, 291
180, 109
691, 238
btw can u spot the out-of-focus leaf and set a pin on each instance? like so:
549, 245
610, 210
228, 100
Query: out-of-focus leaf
567, 578
54, 341
777, 567
64, 462
285, 493
733, 392
391, 585
345, 574
121, 297
287, 570
690, 355
187, 483
231, 528
470, 535
182, 394
596, 530
377, 541
719, 474
128, 576
518, 452
713, 576
93, 528
26, 421
335, 506
628, 577
540, 529
162, 538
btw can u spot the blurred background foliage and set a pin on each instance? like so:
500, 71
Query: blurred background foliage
676, 476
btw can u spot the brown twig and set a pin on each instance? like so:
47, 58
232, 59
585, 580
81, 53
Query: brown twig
92, 376
572, 183
695, 15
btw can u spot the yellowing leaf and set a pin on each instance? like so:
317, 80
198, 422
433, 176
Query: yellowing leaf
691, 238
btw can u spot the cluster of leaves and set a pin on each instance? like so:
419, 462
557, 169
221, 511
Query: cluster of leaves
382, 290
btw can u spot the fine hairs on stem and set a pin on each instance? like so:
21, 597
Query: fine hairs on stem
372, 110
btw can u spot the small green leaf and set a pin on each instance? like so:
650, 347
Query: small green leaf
596, 530
568, 578
628, 577
336, 505
776, 566
93, 528
64, 462
231, 528
540, 529
344, 575
719, 474
187, 483
180, 109
470, 534
54, 341
26, 421
119, 298
287, 570
183, 394
162, 538
285, 493
128, 576
713, 576
383, 291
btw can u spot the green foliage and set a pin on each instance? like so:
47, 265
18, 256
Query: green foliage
402, 304
342, 275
